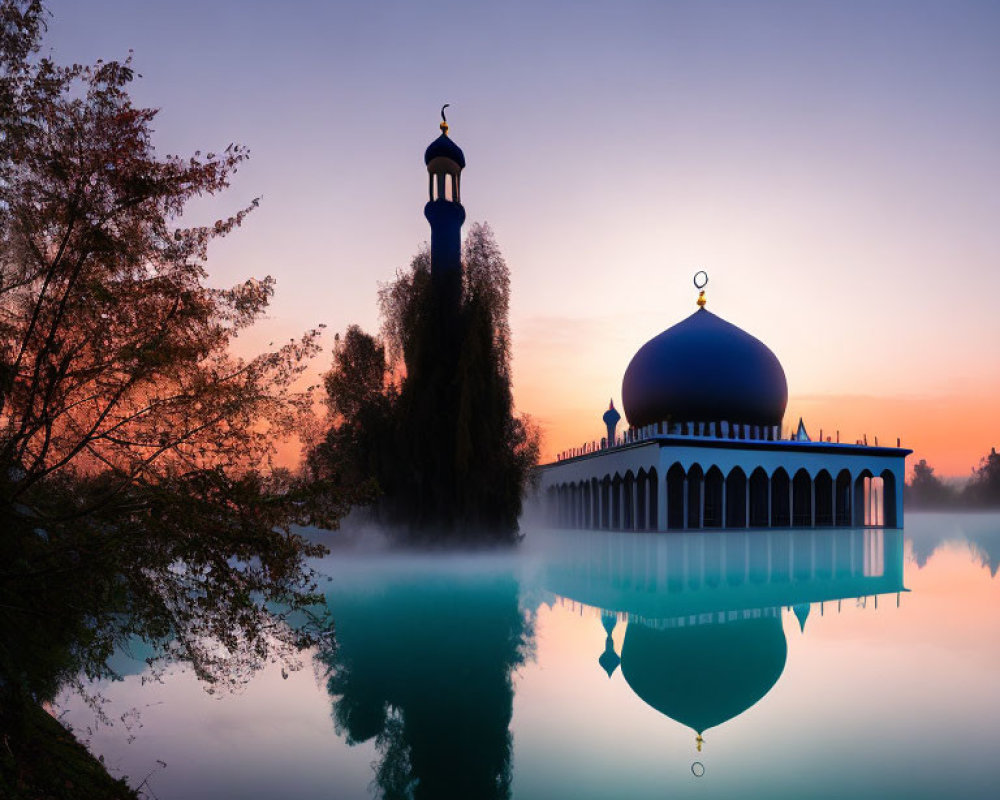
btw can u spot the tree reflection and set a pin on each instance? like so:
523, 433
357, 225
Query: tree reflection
425, 669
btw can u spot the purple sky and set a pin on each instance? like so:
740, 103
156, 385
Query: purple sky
833, 166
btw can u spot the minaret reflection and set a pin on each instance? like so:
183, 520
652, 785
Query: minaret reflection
424, 668
704, 640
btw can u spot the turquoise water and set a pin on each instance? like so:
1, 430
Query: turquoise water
847, 663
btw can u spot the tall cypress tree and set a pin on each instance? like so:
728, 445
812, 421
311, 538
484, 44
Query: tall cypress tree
455, 459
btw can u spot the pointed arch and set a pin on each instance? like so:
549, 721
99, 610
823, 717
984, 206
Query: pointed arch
606, 502
781, 499
889, 499
823, 495
862, 485
676, 497
802, 500
628, 501
842, 499
641, 495
737, 500
695, 496
653, 506
616, 502
715, 496
760, 499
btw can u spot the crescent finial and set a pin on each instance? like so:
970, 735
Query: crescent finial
444, 119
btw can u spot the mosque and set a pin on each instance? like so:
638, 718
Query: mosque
704, 402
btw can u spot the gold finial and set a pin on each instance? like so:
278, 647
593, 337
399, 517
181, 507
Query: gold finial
700, 282
444, 120
699, 741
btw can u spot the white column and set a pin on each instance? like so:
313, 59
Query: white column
635, 504
686, 502
833, 504
724, 507
701, 501
769, 521
812, 502
661, 503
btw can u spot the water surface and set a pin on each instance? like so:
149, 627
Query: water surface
797, 664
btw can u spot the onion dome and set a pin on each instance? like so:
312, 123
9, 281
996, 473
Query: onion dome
704, 675
611, 416
704, 369
443, 147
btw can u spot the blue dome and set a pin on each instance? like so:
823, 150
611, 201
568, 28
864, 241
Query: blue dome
704, 369
443, 147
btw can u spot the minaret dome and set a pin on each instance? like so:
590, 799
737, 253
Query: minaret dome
445, 162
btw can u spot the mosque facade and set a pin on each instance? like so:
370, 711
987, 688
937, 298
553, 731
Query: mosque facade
704, 403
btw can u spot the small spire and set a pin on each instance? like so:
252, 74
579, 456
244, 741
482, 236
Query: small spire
444, 120
699, 741
611, 404
700, 282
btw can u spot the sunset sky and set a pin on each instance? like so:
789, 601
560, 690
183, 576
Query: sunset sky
833, 166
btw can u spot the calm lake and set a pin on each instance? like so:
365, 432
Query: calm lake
799, 664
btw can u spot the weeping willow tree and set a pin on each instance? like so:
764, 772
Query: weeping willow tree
435, 429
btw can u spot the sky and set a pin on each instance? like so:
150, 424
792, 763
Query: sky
832, 166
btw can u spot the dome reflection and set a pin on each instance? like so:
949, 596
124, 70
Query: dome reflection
704, 640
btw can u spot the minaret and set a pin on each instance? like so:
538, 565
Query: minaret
445, 162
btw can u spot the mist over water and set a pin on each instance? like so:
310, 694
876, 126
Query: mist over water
819, 663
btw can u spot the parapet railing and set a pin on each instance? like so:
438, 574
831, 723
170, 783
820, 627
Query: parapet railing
714, 430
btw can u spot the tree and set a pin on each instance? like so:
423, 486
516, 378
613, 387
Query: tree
357, 449
984, 488
443, 446
926, 490
136, 494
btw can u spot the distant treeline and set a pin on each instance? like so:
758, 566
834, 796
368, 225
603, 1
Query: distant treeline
927, 490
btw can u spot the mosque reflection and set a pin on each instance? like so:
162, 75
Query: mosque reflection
704, 640
424, 659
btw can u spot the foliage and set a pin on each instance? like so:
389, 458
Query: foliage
983, 490
358, 448
927, 490
442, 444
136, 488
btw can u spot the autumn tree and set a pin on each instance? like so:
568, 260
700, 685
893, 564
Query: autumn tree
136, 494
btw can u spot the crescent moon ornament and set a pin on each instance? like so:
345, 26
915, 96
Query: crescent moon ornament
700, 282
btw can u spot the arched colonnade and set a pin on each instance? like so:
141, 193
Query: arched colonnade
697, 497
